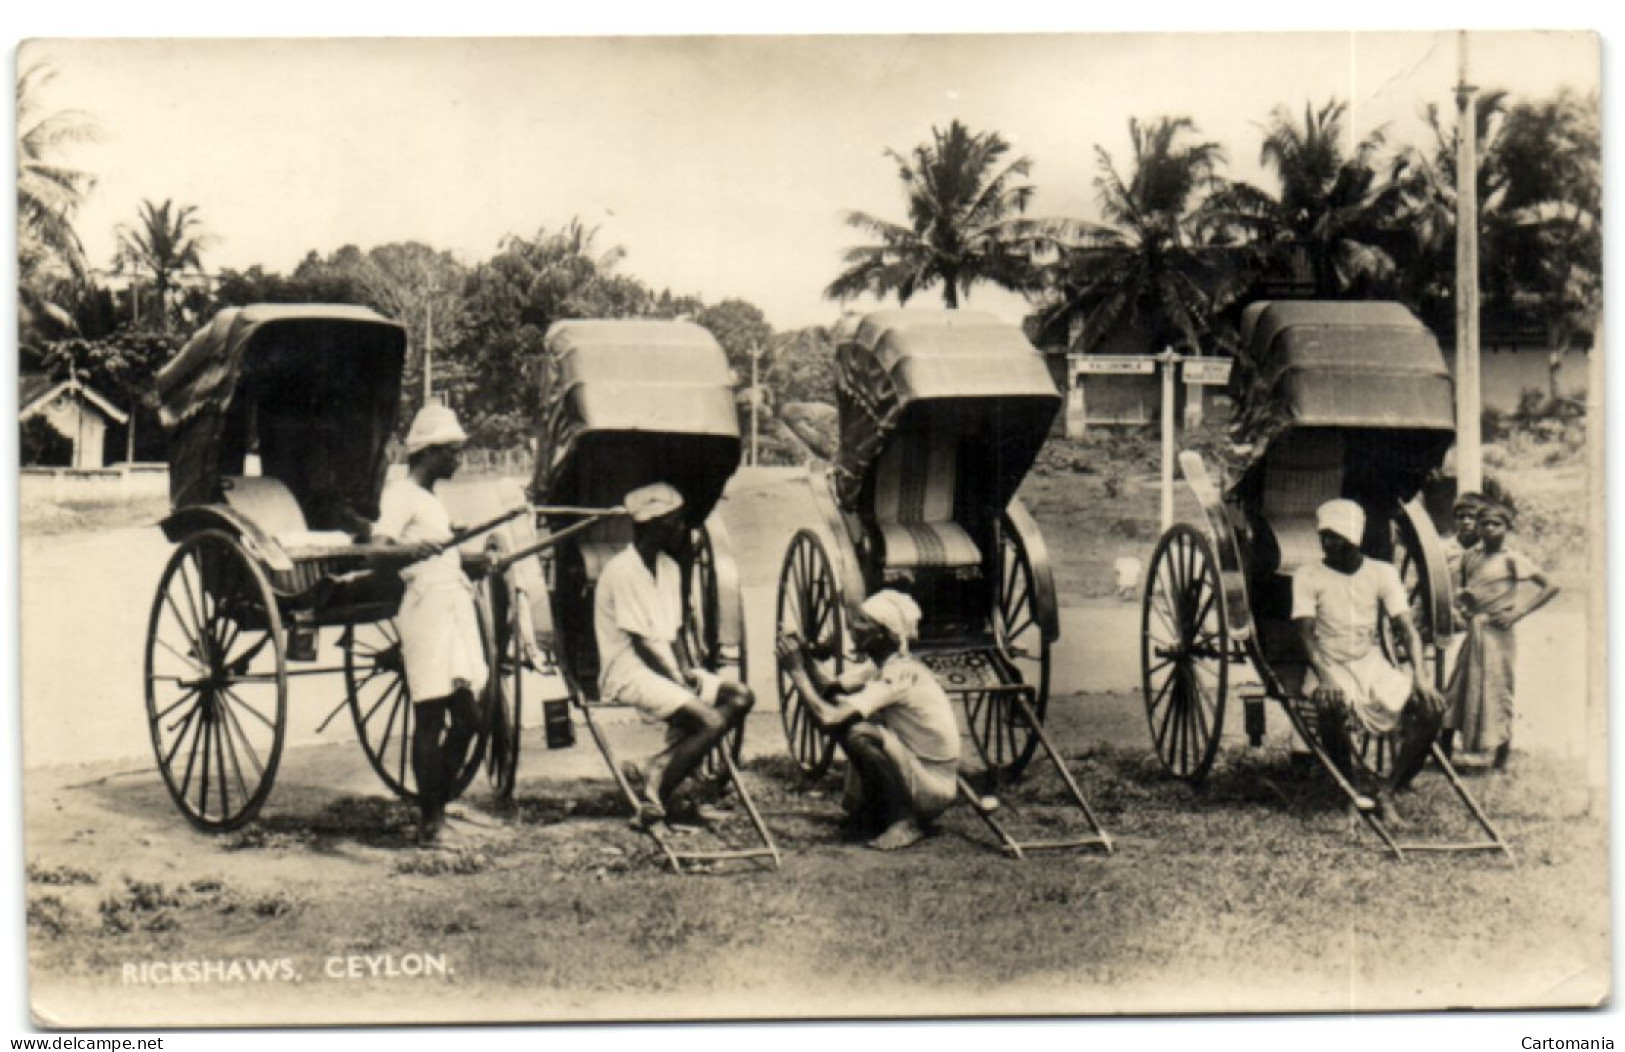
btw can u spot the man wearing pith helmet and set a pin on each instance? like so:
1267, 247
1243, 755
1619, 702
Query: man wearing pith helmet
439, 627
1336, 605
637, 616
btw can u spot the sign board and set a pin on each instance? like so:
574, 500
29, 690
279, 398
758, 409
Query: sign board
1120, 364
1207, 370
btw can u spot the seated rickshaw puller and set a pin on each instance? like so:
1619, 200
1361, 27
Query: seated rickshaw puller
1336, 605
439, 626
890, 717
637, 615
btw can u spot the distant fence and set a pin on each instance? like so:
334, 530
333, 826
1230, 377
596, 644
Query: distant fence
497, 462
110, 485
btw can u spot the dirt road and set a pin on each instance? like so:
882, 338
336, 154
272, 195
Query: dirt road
1257, 891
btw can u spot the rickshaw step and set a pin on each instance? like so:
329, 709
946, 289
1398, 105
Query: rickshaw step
722, 856
1062, 845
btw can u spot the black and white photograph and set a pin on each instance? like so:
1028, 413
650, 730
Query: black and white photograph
557, 529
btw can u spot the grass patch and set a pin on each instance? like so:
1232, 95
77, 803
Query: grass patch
60, 876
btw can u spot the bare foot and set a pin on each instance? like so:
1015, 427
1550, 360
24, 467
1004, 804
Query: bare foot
898, 836
1390, 811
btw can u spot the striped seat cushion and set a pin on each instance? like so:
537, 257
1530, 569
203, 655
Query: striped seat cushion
1300, 477
914, 505
926, 544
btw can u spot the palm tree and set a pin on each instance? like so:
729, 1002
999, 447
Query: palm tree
962, 199
48, 197
1420, 204
1539, 219
1152, 267
167, 242
1329, 207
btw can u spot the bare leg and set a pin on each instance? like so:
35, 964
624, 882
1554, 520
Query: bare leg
734, 702
885, 785
428, 767
465, 722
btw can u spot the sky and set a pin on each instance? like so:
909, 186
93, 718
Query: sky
722, 165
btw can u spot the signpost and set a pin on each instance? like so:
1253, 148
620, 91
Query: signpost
1194, 371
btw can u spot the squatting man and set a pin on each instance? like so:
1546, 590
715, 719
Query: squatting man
637, 615
892, 720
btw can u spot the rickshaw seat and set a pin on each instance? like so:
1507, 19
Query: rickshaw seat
915, 482
1301, 475
269, 504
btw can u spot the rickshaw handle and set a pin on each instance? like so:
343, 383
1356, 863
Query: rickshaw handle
468, 533
589, 516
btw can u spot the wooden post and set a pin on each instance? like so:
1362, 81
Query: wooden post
1168, 360
1469, 454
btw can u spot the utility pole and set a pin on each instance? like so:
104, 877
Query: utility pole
428, 348
1469, 455
1169, 362
755, 398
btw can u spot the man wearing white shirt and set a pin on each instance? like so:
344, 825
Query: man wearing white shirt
1337, 605
439, 626
637, 616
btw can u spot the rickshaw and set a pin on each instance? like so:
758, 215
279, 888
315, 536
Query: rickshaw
624, 403
279, 418
1333, 400
941, 415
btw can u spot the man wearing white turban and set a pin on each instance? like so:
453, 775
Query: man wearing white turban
637, 615
890, 717
1337, 605
440, 635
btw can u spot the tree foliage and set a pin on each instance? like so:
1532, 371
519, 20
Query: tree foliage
51, 261
964, 201
1151, 267
1330, 203
166, 241
509, 302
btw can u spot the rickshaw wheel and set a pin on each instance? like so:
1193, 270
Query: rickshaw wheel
1376, 751
381, 705
702, 639
1002, 733
508, 701
216, 682
810, 606
1184, 653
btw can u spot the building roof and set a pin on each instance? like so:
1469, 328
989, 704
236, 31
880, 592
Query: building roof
39, 390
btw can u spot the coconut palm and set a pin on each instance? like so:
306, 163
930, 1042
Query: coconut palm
166, 243
963, 200
1539, 213
1329, 207
49, 194
1152, 266
1547, 226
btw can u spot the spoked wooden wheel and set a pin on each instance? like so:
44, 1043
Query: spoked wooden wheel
1376, 751
1002, 732
216, 683
381, 705
810, 606
1184, 653
702, 637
